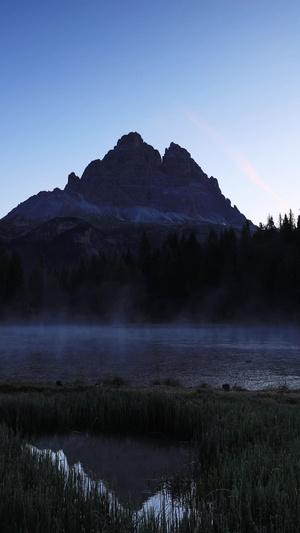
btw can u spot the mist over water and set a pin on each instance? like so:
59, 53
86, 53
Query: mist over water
252, 357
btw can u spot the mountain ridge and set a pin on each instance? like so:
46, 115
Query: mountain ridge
132, 188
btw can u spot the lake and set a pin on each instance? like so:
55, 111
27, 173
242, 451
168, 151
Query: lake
252, 357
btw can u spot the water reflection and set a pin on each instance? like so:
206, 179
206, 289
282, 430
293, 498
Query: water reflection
252, 357
128, 465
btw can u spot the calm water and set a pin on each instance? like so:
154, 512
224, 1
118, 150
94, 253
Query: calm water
131, 466
252, 357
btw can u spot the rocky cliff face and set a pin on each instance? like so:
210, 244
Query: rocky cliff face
131, 189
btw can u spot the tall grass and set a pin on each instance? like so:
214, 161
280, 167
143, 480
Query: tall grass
35, 496
97, 409
246, 476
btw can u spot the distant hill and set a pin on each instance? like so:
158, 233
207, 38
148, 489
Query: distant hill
131, 190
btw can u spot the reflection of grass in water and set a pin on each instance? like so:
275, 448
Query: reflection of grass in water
36, 497
128, 463
246, 476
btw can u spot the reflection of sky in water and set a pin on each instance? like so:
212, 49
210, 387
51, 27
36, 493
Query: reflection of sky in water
253, 357
127, 464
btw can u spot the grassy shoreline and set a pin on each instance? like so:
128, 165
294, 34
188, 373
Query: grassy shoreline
281, 394
246, 475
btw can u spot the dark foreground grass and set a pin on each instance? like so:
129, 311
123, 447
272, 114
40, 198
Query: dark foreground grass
246, 476
37, 497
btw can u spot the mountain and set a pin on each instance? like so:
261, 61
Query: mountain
131, 190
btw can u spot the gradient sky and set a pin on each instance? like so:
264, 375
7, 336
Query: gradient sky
219, 77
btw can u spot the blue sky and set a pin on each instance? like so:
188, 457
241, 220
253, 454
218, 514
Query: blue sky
219, 77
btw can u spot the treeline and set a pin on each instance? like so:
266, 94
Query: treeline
230, 277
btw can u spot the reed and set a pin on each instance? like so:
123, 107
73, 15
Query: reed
97, 409
246, 475
35, 496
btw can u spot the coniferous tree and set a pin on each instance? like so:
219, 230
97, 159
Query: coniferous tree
14, 279
36, 284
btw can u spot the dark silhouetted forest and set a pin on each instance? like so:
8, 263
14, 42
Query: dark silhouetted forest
249, 276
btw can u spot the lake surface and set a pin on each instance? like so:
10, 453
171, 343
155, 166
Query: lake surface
251, 357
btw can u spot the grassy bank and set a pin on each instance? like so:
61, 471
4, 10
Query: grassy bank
246, 477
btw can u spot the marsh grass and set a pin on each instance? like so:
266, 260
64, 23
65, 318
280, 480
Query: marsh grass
245, 478
98, 409
36, 497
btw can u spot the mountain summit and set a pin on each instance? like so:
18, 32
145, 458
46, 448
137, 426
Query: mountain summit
130, 190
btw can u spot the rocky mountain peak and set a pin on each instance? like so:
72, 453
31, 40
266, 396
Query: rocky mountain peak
73, 181
129, 141
131, 157
131, 187
177, 162
175, 150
